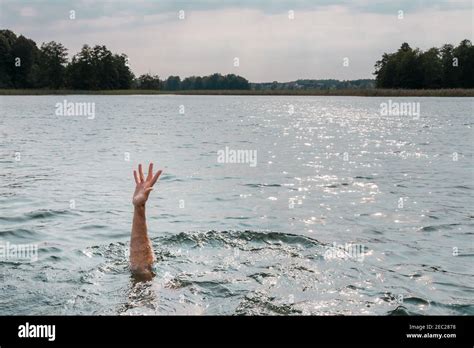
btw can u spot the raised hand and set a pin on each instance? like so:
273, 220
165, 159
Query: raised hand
144, 186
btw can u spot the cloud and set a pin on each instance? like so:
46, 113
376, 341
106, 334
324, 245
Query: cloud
27, 12
51, 10
269, 45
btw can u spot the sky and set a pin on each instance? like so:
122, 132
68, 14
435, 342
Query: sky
271, 39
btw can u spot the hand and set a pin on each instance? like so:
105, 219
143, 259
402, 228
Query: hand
144, 187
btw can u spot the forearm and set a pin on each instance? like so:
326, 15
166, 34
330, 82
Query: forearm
141, 251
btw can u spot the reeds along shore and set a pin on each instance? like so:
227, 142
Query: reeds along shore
376, 92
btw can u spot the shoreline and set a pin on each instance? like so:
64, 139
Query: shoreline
458, 92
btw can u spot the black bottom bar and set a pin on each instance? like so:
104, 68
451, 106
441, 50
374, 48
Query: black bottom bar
433, 330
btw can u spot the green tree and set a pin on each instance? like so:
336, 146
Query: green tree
198, 83
189, 83
432, 68
125, 75
408, 70
236, 82
148, 81
447, 67
7, 38
104, 68
450, 71
53, 59
81, 73
172, 83
25, 60
464, 52
212, 82
98, 68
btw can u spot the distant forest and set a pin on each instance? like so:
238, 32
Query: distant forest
445, 67
25, 66
314, 84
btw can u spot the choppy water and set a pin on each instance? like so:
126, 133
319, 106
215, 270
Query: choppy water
232, 238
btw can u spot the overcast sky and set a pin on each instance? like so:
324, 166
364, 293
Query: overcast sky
268, 43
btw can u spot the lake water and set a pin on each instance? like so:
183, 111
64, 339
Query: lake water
344, 210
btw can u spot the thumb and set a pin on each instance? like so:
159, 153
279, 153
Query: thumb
148, 190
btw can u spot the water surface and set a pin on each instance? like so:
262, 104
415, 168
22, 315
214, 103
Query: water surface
233, 238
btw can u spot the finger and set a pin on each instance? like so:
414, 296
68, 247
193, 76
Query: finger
150, 172
148, 190
140, 171
135, 176
155, 178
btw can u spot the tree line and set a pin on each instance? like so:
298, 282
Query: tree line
211, 82
308, 84
24, 65
445, 67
